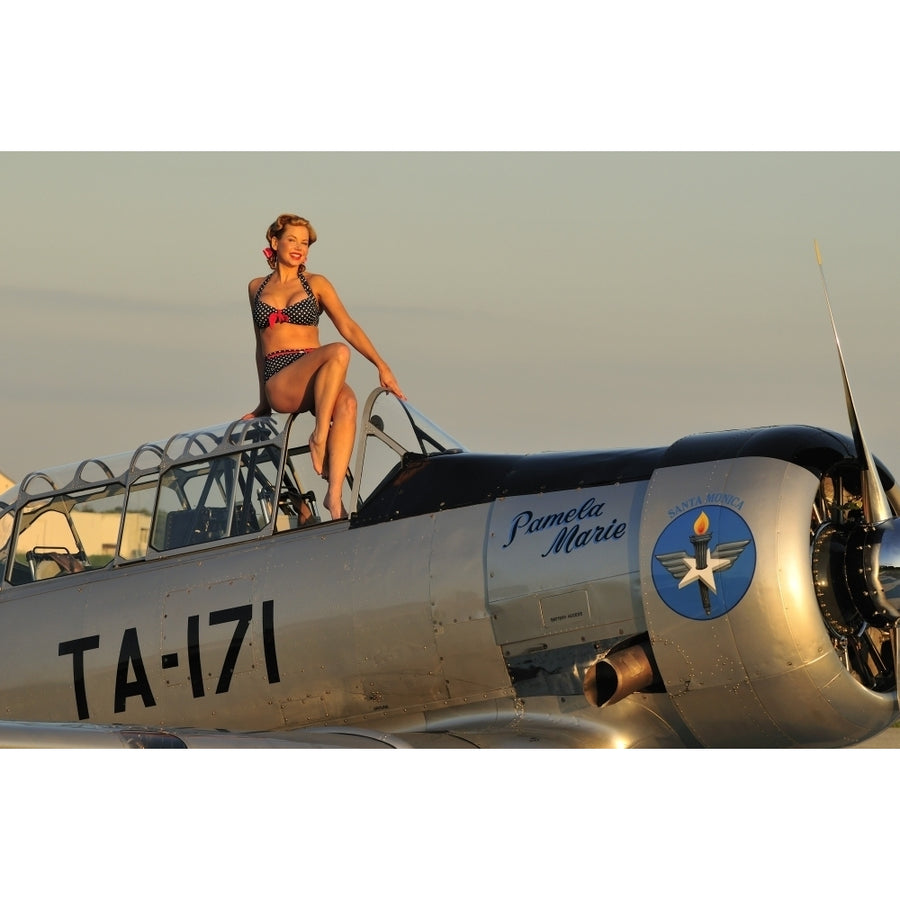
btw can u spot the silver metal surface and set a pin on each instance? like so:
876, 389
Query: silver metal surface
883, 544
677, 609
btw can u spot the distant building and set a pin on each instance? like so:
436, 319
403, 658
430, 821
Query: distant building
97, 532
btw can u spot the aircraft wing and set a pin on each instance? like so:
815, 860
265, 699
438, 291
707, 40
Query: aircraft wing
56, 735
550, 724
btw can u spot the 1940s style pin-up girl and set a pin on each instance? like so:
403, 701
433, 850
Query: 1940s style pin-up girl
296, 372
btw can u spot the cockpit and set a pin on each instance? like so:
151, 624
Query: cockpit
239, 481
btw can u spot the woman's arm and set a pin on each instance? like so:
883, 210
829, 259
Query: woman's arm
352, 332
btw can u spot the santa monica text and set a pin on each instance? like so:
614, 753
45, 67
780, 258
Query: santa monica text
713, 498
577, 527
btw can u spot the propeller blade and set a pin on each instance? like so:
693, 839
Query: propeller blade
875, 503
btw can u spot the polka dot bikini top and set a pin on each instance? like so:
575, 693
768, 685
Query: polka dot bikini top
303, 312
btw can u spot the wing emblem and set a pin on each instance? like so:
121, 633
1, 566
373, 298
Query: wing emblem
704, 565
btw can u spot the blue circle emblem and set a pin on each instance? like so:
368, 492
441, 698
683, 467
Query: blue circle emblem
703, 562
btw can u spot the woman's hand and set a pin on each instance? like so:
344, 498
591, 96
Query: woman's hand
256, 413
388, 382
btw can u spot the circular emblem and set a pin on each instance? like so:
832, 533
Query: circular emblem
703, 562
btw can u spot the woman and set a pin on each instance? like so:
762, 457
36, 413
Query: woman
298, 374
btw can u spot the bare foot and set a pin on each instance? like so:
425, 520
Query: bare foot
316, 454
337, 510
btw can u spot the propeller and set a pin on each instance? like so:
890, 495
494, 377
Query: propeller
875, 502
871, 549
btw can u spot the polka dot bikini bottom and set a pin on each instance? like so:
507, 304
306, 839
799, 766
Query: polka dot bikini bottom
279, 359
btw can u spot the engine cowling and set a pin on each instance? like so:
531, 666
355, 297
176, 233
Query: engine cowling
754, 646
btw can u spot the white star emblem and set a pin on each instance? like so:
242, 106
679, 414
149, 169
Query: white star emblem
706, 574
684, 568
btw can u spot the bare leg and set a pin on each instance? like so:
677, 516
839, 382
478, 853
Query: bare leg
329, 382
340, 447
313, 382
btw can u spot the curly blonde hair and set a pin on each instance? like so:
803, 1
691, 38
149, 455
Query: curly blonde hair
276, 230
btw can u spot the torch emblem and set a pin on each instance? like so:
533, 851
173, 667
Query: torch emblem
704, 564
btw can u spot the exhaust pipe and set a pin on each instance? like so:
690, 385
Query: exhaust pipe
619, 674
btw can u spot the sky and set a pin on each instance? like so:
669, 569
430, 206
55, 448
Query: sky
526, 301
590, 227
561, 233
